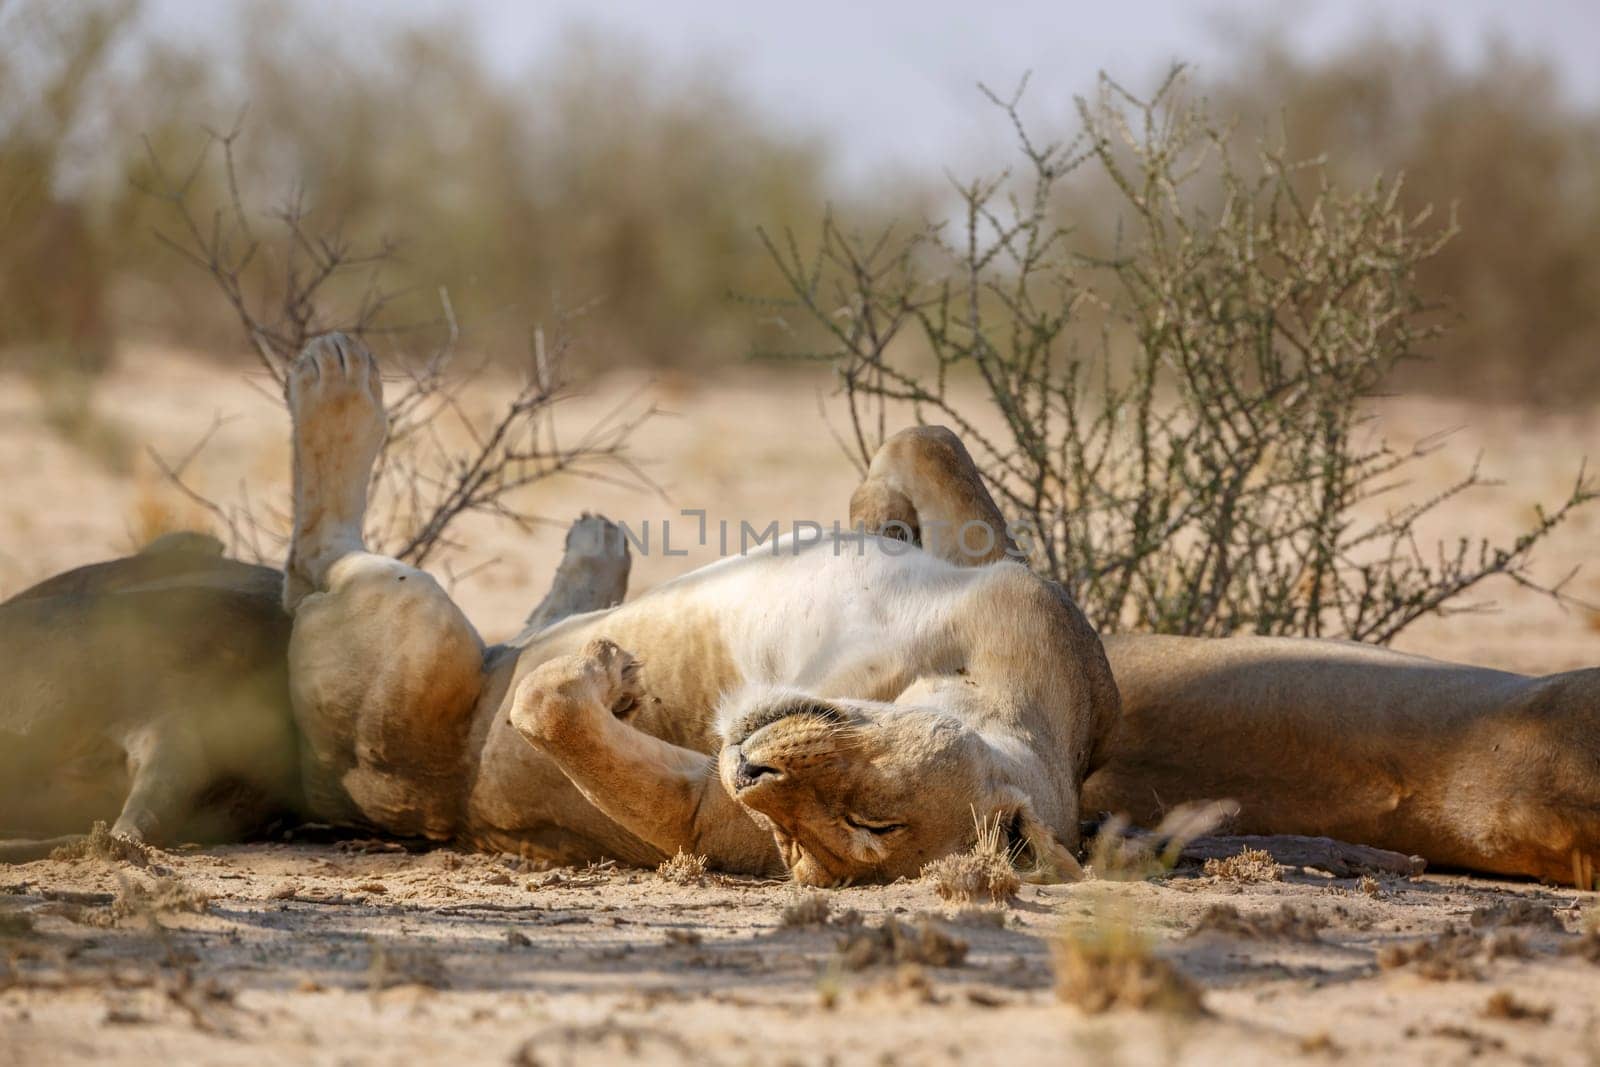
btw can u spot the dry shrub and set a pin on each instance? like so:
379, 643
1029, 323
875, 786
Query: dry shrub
1288, 923
1250, 866
1111, 966
684, 868
1175, 426
1515, 913
898, 943
101, 844
1523, 280
984, 873
1502, 1005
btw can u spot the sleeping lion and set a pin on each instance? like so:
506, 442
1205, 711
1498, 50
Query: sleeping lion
840, 710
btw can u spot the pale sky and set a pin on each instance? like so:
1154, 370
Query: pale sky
890, 83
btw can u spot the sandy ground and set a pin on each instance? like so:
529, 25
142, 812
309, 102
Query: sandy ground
317, 954
325, 953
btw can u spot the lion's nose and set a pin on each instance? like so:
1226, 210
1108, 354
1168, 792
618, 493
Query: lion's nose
746, 774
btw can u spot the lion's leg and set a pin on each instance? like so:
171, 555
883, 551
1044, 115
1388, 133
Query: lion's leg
335, 397
592, 575
669, 797
168, 769
384, 668
923, 486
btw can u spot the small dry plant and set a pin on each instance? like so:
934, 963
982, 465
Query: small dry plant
1121, 853
1176, 425
1503, 1005
983, 874
284, 273
1109, 964
1250, 866
684, 868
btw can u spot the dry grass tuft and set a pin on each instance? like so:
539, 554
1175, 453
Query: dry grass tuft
101, 844
683, 869
1502, 1005
1247, 867
983, 874
1110, 966
900, 943
1121, 853
1288, 923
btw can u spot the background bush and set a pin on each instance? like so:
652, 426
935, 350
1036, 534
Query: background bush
1201, 466
603, 177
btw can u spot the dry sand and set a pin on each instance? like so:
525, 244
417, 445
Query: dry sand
323, 953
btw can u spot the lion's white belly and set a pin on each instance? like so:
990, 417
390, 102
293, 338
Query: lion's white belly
829, 609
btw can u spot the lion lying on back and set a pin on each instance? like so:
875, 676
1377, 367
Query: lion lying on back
845, 716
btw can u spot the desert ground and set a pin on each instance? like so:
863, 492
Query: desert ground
324, 950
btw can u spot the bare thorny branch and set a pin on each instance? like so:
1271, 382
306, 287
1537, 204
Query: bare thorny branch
283, 289
1200, 470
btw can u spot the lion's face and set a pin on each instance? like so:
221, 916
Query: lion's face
858, 791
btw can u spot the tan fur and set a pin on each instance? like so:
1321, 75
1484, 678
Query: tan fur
150, 693
1469, 768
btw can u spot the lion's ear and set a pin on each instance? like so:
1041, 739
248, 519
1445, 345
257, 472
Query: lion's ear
1038, 854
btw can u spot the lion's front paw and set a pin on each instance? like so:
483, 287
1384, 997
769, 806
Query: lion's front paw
568, 692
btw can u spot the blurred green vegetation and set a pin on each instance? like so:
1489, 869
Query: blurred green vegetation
604, 180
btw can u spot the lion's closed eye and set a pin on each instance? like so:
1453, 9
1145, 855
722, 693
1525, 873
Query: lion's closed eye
881, 828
